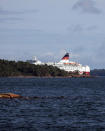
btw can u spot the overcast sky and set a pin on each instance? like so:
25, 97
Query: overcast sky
48, 28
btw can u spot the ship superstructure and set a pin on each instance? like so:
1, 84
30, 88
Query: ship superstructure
65, 64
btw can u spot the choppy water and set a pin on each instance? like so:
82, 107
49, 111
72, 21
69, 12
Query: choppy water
64, 104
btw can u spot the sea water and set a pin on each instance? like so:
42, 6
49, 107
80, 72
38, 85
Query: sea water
53, 104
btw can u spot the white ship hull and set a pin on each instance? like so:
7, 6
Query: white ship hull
67, 65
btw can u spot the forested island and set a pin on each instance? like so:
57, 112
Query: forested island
20, 68
25, 69
98, 72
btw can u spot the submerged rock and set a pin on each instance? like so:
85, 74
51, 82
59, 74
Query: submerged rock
9, 95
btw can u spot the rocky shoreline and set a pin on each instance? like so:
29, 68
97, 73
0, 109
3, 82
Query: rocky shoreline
71, 76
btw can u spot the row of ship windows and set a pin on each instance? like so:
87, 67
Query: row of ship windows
71, 68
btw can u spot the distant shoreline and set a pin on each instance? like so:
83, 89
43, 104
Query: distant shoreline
52, 76
20, 69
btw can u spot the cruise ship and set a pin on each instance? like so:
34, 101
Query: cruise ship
67, 65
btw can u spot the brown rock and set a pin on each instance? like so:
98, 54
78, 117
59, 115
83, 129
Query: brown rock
9, 95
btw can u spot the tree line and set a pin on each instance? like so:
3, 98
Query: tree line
20, 68
98, 72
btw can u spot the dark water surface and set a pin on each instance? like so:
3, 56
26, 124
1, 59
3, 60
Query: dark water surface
64, 104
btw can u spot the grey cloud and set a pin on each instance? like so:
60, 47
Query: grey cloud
87, 6
12, 12
7, 15
22, 30
7, 12
78, 28
81, 28
75, 28
91, 28
79, 49
2, 20
97, 54
10, 18
101, 50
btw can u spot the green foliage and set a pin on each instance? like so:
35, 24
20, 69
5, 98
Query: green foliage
20, 68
